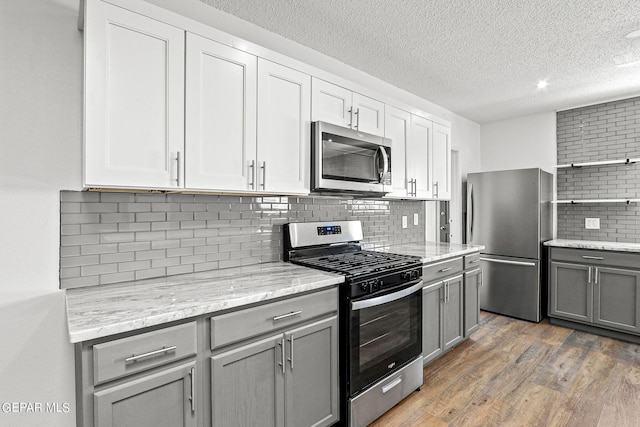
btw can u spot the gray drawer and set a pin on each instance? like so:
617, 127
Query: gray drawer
472, 261
126, 356
592, 257
242, 324
441, 270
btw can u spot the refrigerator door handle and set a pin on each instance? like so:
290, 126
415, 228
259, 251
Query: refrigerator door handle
470, 219
504, 261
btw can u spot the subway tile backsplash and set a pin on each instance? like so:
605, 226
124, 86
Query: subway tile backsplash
117, 237
609, 131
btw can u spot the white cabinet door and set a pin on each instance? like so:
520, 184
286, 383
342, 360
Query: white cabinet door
397, 125
220, 116
419, 152
330, 103
134, 99
368, 115
284, 131
441, 162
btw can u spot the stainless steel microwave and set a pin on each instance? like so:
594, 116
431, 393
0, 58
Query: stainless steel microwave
347, 161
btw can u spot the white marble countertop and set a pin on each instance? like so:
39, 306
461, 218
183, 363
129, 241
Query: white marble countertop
594, 244
100, 311
431, 251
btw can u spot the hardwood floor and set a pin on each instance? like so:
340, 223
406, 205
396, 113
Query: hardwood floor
517, 373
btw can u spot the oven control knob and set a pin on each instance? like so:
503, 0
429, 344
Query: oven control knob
414, 274
376, 285
365, 287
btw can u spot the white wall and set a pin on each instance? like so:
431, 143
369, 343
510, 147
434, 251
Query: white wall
40, 151
523, 142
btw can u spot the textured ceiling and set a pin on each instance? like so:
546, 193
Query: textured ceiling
479, 59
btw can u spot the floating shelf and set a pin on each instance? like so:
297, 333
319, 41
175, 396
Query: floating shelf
600, 163
576, 201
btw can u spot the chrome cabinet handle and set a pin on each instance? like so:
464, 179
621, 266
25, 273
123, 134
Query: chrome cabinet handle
264, 174
357, 113
136, 357
445, 269
474, 261
436, 190
595, 276
252, 169
448, 288
178, 169
284, 316
350, 111
599, 258
192, 398
281, 363
481, 278
290, 359
589, 275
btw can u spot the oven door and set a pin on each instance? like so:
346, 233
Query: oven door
348, 160
385, 333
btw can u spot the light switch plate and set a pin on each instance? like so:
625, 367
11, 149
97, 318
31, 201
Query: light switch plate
404, 221
415, 219
592, 223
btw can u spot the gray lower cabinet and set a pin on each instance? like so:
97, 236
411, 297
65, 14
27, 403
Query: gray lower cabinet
570, 291
616, 302
432, 320
287, 379
161, 399
442, 317
600, 291
472, 284
453, 311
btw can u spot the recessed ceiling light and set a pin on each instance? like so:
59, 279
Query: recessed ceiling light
542, 84
633, 34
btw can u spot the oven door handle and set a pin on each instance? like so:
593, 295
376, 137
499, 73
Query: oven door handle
372, 302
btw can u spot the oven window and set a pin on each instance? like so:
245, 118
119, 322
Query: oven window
350, 160
384, 337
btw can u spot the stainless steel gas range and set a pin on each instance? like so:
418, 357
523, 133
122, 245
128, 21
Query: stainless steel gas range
380, 315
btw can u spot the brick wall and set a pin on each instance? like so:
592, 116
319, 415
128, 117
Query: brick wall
609, 131
116, 237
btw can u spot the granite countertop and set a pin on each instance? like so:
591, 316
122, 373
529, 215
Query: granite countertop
431, 251
100, 311
594, 244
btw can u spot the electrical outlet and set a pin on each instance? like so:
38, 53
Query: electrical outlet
592, 223
415, 219
404, 221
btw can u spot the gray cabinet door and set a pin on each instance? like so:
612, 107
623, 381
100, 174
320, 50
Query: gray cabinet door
453, 311
432, 341
311, 379
617, 298
159, 399
472, 283
570, 291
247, 385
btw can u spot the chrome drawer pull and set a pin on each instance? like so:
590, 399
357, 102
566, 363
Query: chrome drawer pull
391, 385
192, 398
599, 258
474, 261
445, 269
284, 316
134, 357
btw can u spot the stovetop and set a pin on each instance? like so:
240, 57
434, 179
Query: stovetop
360, 263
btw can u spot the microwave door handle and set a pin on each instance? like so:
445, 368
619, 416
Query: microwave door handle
385, 161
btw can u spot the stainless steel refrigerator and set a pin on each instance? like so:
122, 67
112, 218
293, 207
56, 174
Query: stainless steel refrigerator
509, 212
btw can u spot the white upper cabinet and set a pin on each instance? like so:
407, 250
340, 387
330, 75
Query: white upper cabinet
419, 154
134, 100
220, 106
441, 164
342, 107
284, 129
397, 126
